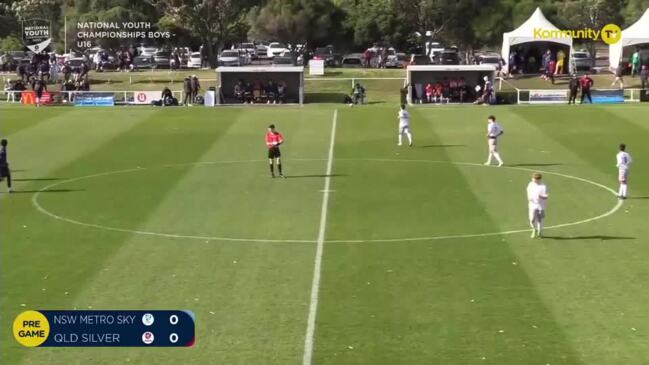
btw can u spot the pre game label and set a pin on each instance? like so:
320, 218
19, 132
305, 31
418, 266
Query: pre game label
105, 328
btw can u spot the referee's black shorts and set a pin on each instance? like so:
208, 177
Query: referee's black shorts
4, 171
273, 152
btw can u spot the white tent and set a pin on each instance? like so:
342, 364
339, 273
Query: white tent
637, 33
525, 33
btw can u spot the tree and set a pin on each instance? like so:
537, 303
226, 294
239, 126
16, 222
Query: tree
296, 22
11, 43
592, 14
214, 22
634, 10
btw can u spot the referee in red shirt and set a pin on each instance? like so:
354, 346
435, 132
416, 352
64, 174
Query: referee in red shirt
273, 140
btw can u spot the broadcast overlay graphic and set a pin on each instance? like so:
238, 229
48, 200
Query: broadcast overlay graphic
159, 328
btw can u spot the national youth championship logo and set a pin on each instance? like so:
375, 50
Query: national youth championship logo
37, 34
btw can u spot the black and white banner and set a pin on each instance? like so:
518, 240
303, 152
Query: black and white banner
37, 34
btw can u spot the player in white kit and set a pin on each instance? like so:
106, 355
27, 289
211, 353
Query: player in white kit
537, 196
623, 162
404, 125
494, 130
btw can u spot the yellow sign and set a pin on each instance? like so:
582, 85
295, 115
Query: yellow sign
31, 328
611, 34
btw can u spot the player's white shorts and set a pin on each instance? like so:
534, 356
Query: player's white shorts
623, 175
536, 214
404, 128
493, 144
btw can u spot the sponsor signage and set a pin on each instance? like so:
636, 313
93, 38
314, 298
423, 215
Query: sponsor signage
145, 97
94, 99
607, 96
317, 67
548, 96
37, 34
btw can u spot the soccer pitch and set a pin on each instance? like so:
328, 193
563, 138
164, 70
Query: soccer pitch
422, 255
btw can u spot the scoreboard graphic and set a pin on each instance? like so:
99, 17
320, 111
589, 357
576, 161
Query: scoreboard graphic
137, 328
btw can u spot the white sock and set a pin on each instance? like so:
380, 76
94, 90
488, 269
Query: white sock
623, 187
489, 158
400, 138
497, 156
409, 135
620, 191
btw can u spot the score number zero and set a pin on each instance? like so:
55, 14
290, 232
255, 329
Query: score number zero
173, 319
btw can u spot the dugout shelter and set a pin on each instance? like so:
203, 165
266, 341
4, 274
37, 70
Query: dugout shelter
291, 76
418, 76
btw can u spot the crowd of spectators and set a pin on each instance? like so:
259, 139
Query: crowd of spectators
270, 92
45, 69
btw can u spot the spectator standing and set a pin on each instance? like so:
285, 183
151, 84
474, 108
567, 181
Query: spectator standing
561, 57
619, 76
635, 63
586, 83
187, 89
195, 87
573, 86
644, 68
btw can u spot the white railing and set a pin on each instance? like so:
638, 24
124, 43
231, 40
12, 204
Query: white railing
121, 96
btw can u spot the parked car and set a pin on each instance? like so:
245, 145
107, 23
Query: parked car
233, 58
447, 57
392, 61
261, 50
331, 58
282, 61
487, 59
352, 60
249, 48
580, 61
194, 60
142, 61
276, 49
161, 59
147, 51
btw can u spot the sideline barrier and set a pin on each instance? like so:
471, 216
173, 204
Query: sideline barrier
28, 97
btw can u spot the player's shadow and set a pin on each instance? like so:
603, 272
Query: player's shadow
593, 237
638, 197
313, 176
534, 164
47, 191
442, 145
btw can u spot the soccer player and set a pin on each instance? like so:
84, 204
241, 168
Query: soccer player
494, 130
623, 162
404, 125
537, 196
4, 164
273, 140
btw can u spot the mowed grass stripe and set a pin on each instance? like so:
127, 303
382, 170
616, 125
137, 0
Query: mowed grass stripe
578, 273
241, 292
14, 119
434, 302
70, 256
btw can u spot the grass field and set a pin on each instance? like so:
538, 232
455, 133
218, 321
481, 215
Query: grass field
425, 254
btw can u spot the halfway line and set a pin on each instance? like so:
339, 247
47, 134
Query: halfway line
315, 285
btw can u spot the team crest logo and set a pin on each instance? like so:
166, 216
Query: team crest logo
37, 34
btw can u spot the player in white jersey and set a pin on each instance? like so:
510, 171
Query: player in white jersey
404, 125
494, 130
623, 162
537, 196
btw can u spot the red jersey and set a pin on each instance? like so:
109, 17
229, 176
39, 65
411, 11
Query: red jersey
274, 139
585, 82
429, 89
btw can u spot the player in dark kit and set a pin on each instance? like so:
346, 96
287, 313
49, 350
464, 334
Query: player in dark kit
273, 140
4, 164
574, 88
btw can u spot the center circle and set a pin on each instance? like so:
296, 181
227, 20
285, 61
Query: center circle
135, 189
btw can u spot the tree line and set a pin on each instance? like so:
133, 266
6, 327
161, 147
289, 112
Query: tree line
346, 24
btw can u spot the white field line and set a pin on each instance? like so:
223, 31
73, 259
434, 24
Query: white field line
315, 284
